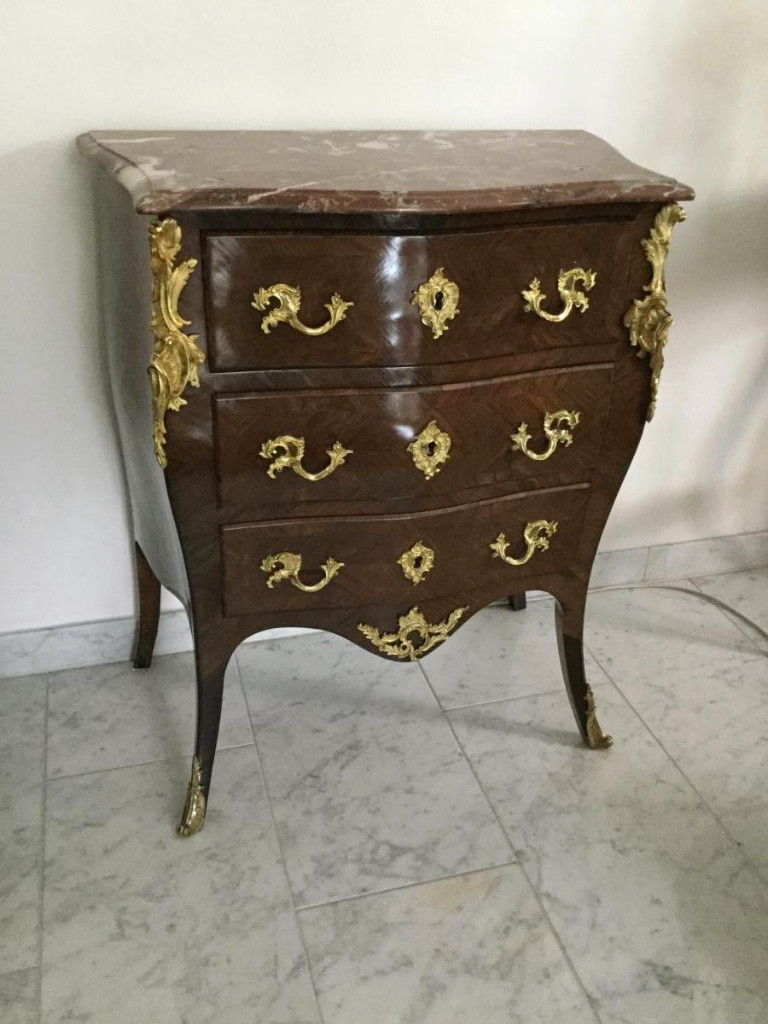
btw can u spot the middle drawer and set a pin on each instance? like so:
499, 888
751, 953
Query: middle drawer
531, 430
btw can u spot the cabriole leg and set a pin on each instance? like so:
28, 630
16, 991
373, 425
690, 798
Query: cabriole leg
569, 617
148, 587
210, 691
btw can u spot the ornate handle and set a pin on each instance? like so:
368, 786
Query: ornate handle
287, 566
536, 536
415, 635
287, 311
293, 453
555, 434
567, 282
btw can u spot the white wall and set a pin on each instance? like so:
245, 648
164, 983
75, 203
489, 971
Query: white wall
677, 85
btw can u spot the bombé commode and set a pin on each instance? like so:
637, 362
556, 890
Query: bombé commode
392, 377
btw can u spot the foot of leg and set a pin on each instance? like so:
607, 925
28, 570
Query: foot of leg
569, 617
596, 738
193, 816
210, 691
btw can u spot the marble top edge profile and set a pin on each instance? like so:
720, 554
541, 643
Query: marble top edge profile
371, 172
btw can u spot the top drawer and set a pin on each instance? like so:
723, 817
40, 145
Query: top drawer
380, 276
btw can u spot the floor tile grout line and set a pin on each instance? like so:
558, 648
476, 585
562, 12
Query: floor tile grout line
268, 797
406, 885
501, 700
683, 774
521, 865
647, 561
43, 831
139, 764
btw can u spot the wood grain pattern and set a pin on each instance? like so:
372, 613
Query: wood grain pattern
379, 424
369, 547
379, 273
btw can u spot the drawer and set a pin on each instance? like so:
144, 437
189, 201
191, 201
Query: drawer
396, 440
399, 559
379, 275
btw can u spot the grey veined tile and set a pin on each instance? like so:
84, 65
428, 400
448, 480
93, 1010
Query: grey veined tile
368, 786
472, 948
141, 925
661, 915
111, 716
705, 696
715, 554
618, 568
22, 752
498, 654
646, 633
745, 592
19, 1002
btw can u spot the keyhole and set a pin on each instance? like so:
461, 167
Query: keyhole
417, 562
438, 300
431, 448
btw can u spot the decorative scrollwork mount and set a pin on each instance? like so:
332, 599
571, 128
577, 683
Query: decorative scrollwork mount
430, 449
649, 319
536, 536
287, 566
438, 302
176, 355
557, 429
414, 636
289, 302
416, 562
293, 449
567, 287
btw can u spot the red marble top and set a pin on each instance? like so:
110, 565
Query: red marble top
371, 172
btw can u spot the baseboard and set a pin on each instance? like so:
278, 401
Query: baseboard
94, 643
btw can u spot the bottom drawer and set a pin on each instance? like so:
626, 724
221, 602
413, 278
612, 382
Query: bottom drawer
345, 562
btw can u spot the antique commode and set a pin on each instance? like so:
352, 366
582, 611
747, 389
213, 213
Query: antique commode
392, 377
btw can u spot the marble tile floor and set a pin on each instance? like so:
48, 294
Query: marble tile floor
403, 844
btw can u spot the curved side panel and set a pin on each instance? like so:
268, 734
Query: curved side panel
125, 288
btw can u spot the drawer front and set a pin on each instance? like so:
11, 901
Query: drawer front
395, 440
379, 274
349, 562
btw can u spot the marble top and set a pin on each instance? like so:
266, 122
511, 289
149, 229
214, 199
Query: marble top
371, 172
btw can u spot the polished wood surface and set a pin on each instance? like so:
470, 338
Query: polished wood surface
205, 524
379, 274
370, 546
378, 424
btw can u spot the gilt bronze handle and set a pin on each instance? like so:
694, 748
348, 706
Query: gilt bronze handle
293, 453
287, 566
287, 311
557, 430
572, 297
536, 536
